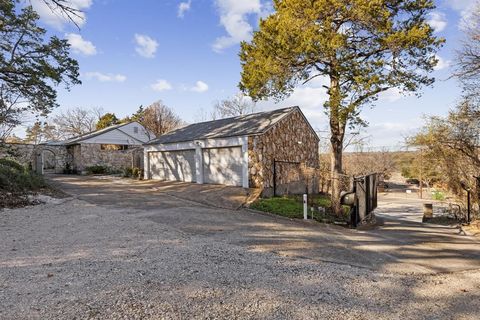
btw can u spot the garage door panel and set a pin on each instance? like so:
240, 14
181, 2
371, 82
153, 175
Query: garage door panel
223, 166
173, 165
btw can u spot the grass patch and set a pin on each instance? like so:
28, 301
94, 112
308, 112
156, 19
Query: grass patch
292, 207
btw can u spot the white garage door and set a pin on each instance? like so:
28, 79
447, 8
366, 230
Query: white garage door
173, 165
223, 166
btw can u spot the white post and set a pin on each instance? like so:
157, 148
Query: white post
199, 162
146, 165
305, 207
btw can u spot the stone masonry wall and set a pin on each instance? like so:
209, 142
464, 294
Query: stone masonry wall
281, 142
55, 157
87, 155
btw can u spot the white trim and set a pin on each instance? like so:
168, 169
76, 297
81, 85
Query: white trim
198, 146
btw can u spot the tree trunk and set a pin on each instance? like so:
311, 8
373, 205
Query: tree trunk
336, 173
337, 130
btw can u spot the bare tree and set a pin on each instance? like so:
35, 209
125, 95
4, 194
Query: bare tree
65, 9
160, 119
76, 121
366, 162
238, 105
452, 143
355, 140
203, 115
468, 57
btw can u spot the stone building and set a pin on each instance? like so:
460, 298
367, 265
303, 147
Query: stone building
116, 147
264, 150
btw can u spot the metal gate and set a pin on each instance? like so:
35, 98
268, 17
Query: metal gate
365, 189
287, 178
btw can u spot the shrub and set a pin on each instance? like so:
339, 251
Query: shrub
137, 173
437, 195
12, 164
97, 169
15, 178
68, 169
134, 172
128, 172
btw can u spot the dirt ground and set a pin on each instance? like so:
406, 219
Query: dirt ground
78, 259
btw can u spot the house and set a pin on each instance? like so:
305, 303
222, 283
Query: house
238, 151
116, 147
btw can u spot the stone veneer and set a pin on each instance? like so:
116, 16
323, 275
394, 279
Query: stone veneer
281, 142
90, 154
26, 154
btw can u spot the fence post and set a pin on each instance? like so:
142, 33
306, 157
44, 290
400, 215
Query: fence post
305, 207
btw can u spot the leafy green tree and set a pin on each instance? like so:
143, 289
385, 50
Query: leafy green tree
31, 66
138, 116
107, 120
361, 47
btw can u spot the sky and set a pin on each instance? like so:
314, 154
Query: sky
185, 53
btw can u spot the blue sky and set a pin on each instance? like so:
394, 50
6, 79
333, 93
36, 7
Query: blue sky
185, 52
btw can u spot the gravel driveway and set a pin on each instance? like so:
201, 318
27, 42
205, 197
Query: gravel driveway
73, 259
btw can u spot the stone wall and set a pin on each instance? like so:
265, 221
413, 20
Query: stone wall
87, 155
292, 139
55, 157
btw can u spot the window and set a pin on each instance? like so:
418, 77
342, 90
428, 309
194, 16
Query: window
113, 147
135, 129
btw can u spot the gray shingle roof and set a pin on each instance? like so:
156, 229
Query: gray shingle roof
251, 124
92, 134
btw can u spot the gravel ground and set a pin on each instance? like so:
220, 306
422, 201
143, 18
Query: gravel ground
69, 259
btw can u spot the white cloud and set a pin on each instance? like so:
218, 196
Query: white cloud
102, 77
57, 18
200, 86
161, 85
442, 63
183, 7
309, 97
464, 7
234, 18
460, 5
437, 20
146, 46
391, 95
80, 45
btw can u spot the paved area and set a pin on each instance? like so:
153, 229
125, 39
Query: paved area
114, 254
402, 244
148, 194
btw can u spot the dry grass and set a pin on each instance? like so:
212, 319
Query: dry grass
473, 228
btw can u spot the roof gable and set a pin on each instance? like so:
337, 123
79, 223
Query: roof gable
100, 132
251, 124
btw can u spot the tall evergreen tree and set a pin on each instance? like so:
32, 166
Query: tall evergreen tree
360, 47
31, 66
